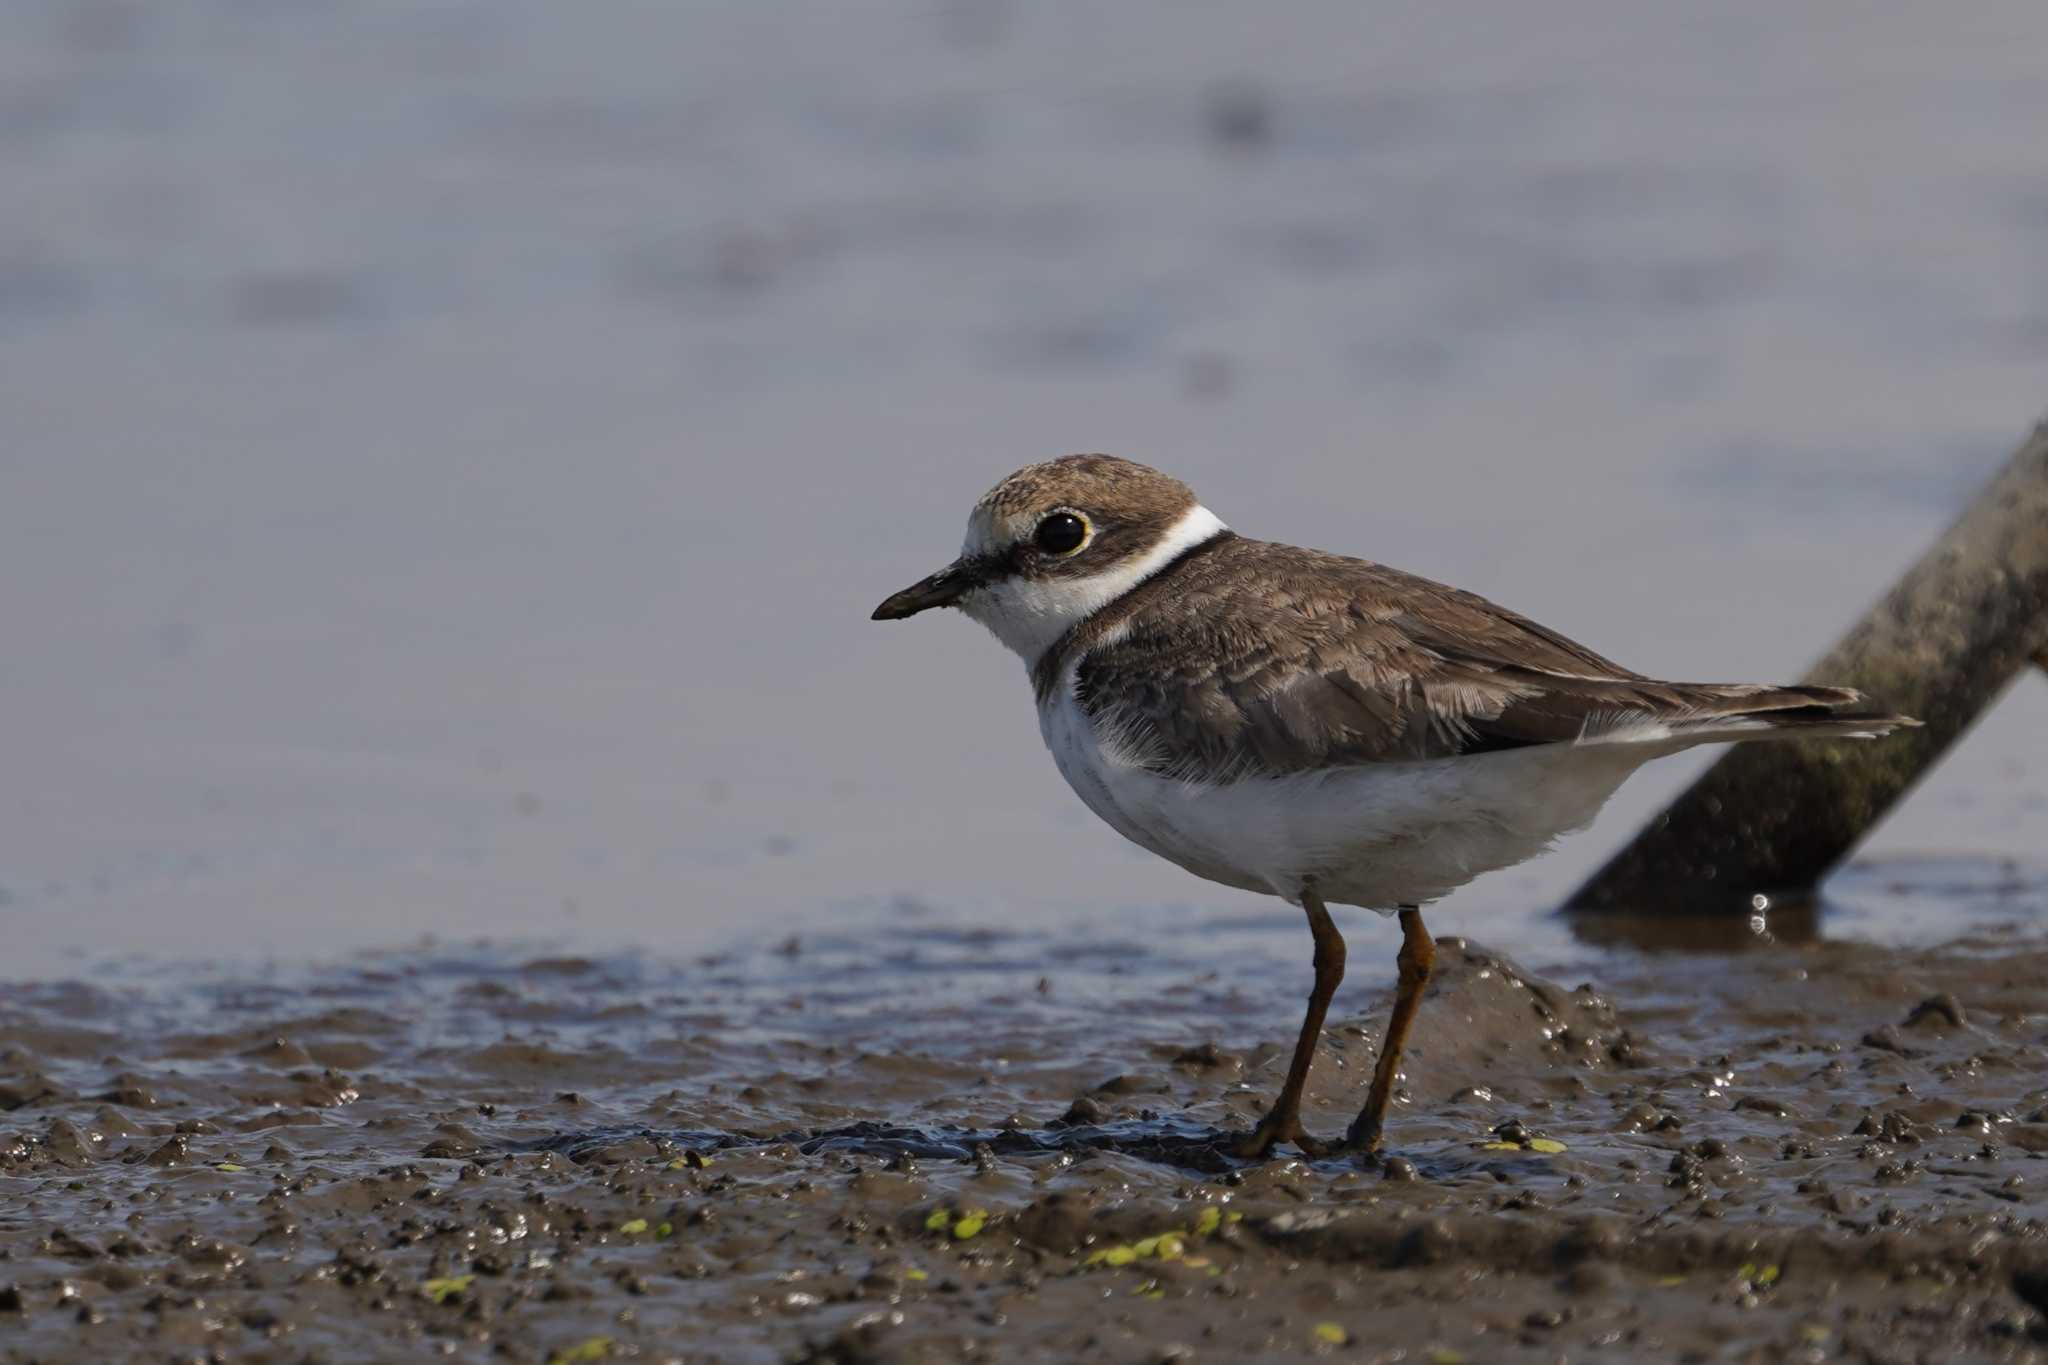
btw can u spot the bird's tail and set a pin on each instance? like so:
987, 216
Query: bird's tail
1741, 711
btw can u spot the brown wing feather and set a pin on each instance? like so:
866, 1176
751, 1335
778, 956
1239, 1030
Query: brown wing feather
1268, 659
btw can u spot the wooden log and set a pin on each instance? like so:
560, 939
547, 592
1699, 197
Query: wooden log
1772, 819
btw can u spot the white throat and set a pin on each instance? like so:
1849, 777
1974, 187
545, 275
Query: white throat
1030, 615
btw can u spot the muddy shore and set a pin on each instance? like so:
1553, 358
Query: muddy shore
963, 1144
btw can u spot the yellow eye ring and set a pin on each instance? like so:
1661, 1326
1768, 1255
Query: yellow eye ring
1062, 533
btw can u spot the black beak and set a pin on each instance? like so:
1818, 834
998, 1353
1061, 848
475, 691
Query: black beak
942, 589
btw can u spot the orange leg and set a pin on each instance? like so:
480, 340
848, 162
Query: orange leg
1283, 1122
1418, 956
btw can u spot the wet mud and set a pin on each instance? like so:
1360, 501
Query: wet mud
909, 1140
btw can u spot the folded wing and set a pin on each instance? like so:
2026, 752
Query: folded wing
1275, 660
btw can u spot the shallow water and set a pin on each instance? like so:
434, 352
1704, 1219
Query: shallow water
450, 456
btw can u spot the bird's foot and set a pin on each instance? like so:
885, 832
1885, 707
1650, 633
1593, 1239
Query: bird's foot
1273, 1130
1365, 1141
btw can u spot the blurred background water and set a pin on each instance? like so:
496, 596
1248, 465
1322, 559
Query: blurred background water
448, 453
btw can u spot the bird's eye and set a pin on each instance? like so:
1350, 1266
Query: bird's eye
1062, 533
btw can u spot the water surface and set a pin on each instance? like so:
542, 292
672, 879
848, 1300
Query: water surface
448, 456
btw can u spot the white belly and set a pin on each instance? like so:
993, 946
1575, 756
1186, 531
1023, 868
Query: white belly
1379, 835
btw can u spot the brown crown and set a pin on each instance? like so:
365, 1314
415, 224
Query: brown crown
1122, 494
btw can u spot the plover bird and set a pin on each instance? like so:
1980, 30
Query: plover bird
1322, 729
